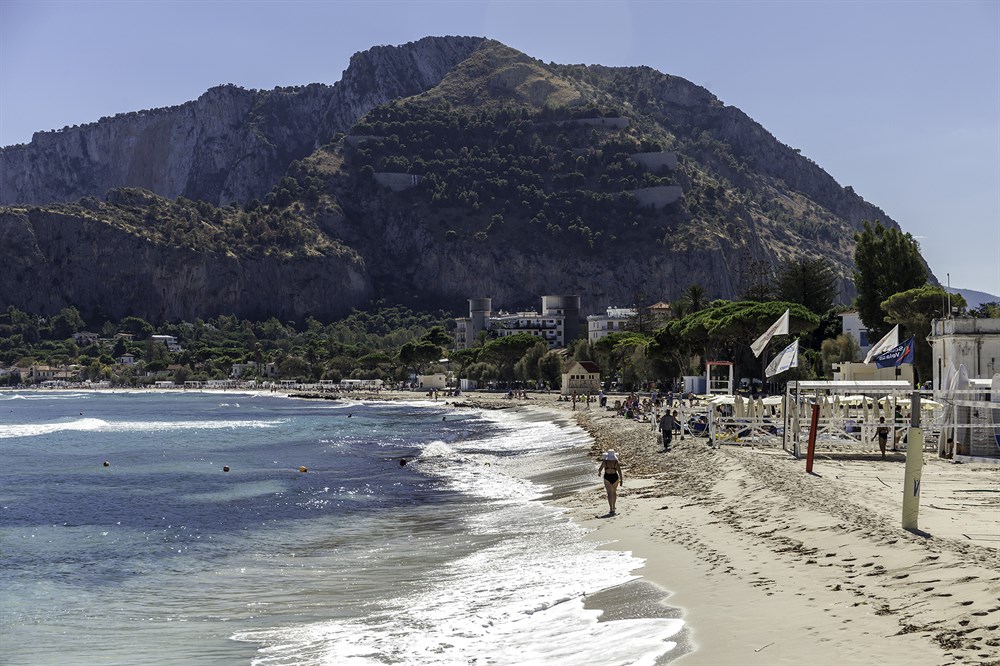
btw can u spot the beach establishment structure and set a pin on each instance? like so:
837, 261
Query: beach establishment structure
962, 422
850, 371
436, 381
557, 324
968, 341
581, 378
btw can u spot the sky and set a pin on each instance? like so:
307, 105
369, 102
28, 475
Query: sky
900, 100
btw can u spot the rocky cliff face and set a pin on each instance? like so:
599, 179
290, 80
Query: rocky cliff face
747, 198
230, 144
54, 260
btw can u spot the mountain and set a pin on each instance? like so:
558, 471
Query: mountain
432, 172
973, 298
230, 144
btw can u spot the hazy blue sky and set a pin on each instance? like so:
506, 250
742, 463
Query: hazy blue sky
900, 100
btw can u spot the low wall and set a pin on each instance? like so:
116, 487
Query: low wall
659, 196
397, 182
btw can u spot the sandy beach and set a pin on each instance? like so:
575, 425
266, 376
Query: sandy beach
774, 566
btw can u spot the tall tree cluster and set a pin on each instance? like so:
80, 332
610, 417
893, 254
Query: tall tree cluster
886, 261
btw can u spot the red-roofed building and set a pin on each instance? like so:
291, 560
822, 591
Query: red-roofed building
581, 378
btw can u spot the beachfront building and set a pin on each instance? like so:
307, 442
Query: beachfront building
968, 341
436, 381
860, 372
557, 324
581, 378
615, 321
266, 369
851, 324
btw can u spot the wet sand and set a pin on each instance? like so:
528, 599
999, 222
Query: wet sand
771, 565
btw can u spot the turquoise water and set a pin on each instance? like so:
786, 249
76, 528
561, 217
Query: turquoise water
161, 557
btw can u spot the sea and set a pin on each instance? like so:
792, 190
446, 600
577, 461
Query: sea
124, 540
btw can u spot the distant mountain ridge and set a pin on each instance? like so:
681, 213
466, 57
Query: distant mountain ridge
468, 169
973, 298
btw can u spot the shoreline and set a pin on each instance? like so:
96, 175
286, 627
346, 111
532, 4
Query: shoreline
770, 565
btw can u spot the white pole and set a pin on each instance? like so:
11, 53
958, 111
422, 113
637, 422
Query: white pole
914, 466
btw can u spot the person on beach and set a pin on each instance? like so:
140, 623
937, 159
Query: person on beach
611, 469
882, 432
667, 430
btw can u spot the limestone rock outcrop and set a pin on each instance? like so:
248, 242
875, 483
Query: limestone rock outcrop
231, 144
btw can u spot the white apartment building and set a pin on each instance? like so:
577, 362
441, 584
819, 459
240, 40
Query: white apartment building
615, 321
168, 340
557, 324
851, 324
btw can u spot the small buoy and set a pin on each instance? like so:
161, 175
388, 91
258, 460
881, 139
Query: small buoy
303, 469
107, 464
225, 468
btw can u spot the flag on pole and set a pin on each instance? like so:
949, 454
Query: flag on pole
899, 354
890, 340
788, 358
779, 327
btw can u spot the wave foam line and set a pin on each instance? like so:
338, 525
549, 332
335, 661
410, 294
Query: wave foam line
99, 425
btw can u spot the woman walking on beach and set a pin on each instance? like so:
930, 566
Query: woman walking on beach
612, 470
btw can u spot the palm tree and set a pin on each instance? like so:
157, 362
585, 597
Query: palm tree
694, 298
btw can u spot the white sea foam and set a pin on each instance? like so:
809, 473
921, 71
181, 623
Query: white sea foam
518, 598
100, 425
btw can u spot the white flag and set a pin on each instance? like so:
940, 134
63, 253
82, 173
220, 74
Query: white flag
788, 358
779, 327
890, 340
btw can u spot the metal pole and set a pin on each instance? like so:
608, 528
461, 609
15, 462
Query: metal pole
813, 426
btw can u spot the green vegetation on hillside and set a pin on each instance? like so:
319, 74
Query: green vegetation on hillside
498, 164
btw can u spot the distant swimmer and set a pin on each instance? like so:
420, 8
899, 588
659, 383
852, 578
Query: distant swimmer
402, 462
444, 418
107, 464
225, 468
348, 416
303, 469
